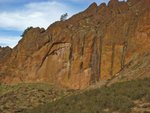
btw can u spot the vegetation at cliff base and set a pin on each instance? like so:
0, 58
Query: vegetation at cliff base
16, 98
120, 98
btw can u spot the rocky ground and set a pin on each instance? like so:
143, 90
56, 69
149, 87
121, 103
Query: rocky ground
123, 97
92, 45
17, 98
126, 97
141, 106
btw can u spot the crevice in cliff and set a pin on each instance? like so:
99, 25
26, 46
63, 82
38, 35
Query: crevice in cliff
69, 62
128, 33
95, 61
125, 45
70, 58
112, 58
100, 55
82, 53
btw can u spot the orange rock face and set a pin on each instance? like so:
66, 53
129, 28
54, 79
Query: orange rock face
91, 46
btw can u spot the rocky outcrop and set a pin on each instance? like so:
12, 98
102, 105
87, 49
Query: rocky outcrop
91, 46
4, 53
136, 69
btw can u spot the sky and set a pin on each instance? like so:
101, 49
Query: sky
17, 15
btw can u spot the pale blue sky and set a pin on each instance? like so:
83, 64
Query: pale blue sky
16, 15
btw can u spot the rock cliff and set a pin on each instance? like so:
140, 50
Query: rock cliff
91, 46
4, 53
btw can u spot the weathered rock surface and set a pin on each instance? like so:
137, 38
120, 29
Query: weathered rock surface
91, 46
136, 69
4, 53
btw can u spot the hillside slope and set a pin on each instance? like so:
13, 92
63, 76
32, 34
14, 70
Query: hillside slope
91, 46
19, 97
126, 97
